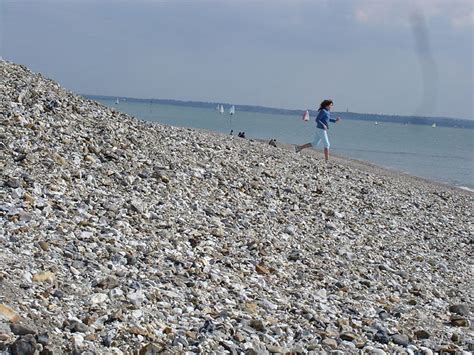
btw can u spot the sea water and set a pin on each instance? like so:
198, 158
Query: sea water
441, 154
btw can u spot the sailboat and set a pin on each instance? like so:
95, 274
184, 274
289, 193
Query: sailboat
117, 101
221, 109
218, 107
232, 110
433, 125
305, 116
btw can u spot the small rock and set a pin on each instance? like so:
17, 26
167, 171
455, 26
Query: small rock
136, 330
98, 298
108, 282
455, 338
262, 269
208, 327
257, 325
400, 339
78, 339
330, 226
383, 315
24, 345
461, 309
365, 283
43, 338
426, 351
58, 293
137, 314
131, 259
298, 349
294, 255
151, 349
251, 307
137, 205
277, 349
218, 232
349, 336
447, 349
459, 321
136, 298
19, 329
13, 183
44, 276
107, 339
290, 230
239, 337
381, 337
116, 293
229, 346
8, 314
402, 274
4, 337
78, 326
89, 158
422, 334
43, 245
332, 343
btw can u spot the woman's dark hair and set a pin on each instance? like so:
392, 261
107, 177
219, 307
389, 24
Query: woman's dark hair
324, 104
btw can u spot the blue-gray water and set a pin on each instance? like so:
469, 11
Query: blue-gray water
441, 154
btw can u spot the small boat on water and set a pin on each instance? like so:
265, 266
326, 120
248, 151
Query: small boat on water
376, 123
117, 101
433, 125
305, 116
232, 110
221, 109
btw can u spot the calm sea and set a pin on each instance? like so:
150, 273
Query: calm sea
441, 154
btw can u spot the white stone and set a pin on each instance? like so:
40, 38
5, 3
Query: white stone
98, 298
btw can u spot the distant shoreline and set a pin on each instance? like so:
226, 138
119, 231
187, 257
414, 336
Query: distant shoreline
416, 120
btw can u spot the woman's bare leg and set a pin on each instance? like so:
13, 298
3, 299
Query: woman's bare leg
326, 154
299, 148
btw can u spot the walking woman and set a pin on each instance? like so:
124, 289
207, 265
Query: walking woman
322, 126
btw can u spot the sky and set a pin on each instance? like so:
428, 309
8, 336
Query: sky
400, 57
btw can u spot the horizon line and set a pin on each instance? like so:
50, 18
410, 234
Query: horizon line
268, 107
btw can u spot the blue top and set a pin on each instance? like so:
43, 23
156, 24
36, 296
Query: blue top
323, 118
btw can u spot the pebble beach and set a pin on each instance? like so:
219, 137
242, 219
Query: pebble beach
120, 236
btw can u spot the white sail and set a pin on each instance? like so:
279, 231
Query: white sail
232, 110
117, 101
306, 116
221, 109
433, 125
218, 107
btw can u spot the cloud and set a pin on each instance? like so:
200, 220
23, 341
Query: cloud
463, 20
459, 13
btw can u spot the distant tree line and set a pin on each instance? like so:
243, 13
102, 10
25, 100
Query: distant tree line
439, 121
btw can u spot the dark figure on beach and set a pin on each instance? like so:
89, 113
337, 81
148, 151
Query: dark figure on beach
273, 142
231, 132
322, 126
241, 135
